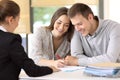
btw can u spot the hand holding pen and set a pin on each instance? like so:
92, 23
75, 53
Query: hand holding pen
59, 62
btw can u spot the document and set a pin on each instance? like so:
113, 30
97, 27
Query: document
103, 69
71, 68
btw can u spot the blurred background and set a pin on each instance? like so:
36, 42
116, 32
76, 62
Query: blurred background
37, 13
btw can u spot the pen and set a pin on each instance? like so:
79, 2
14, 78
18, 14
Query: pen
57, 56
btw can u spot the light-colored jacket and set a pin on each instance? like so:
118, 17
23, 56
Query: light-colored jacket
42, 46
103, 46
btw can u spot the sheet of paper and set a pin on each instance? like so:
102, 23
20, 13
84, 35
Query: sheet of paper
71, 68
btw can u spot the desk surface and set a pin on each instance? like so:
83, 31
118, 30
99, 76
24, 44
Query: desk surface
65, 75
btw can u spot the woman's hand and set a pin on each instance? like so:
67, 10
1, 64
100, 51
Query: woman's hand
59, 63
54, 69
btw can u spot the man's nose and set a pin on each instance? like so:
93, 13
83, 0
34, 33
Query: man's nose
77, 28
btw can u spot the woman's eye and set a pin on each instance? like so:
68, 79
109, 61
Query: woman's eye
66, 25
58, 22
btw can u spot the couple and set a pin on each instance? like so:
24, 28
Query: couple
94, 40
13, 57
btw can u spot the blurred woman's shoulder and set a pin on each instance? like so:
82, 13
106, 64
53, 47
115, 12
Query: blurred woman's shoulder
40, 29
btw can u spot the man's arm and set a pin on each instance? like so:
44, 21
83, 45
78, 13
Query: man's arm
111, 55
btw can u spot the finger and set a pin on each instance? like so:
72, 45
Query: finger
61, 64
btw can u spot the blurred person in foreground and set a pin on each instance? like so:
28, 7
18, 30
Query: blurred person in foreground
12, 55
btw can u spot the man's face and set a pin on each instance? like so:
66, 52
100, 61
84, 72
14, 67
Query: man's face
81, 24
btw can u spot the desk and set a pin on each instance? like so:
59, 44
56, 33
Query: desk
65, 75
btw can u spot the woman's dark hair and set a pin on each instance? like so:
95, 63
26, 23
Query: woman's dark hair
61, 11
8, 8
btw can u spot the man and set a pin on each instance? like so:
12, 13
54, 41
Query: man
94, 40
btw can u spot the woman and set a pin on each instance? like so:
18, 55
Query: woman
12, 55
52, 43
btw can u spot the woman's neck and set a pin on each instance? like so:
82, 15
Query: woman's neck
56, 37
4, 27
57, 40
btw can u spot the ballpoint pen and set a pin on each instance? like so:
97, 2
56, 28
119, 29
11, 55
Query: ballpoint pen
57, 56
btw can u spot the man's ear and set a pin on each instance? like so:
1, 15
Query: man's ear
90, 17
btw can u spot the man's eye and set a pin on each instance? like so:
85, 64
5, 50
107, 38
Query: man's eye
79, 24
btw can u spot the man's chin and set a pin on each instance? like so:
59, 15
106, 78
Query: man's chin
84, 35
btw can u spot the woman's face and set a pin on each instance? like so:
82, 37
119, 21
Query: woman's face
61, 26
14, 23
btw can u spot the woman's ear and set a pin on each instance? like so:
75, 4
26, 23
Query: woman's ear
9, 19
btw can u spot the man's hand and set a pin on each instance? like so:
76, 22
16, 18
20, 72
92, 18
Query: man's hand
71, 61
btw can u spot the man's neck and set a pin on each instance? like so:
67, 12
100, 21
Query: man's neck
95, 26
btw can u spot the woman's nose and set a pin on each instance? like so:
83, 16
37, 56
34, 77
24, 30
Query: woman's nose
61, 27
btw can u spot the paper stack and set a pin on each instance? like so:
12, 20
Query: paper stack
103, 69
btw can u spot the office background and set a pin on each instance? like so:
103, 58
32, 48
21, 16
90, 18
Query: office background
36, 13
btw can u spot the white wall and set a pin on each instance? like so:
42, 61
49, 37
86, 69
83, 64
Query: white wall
111, 10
